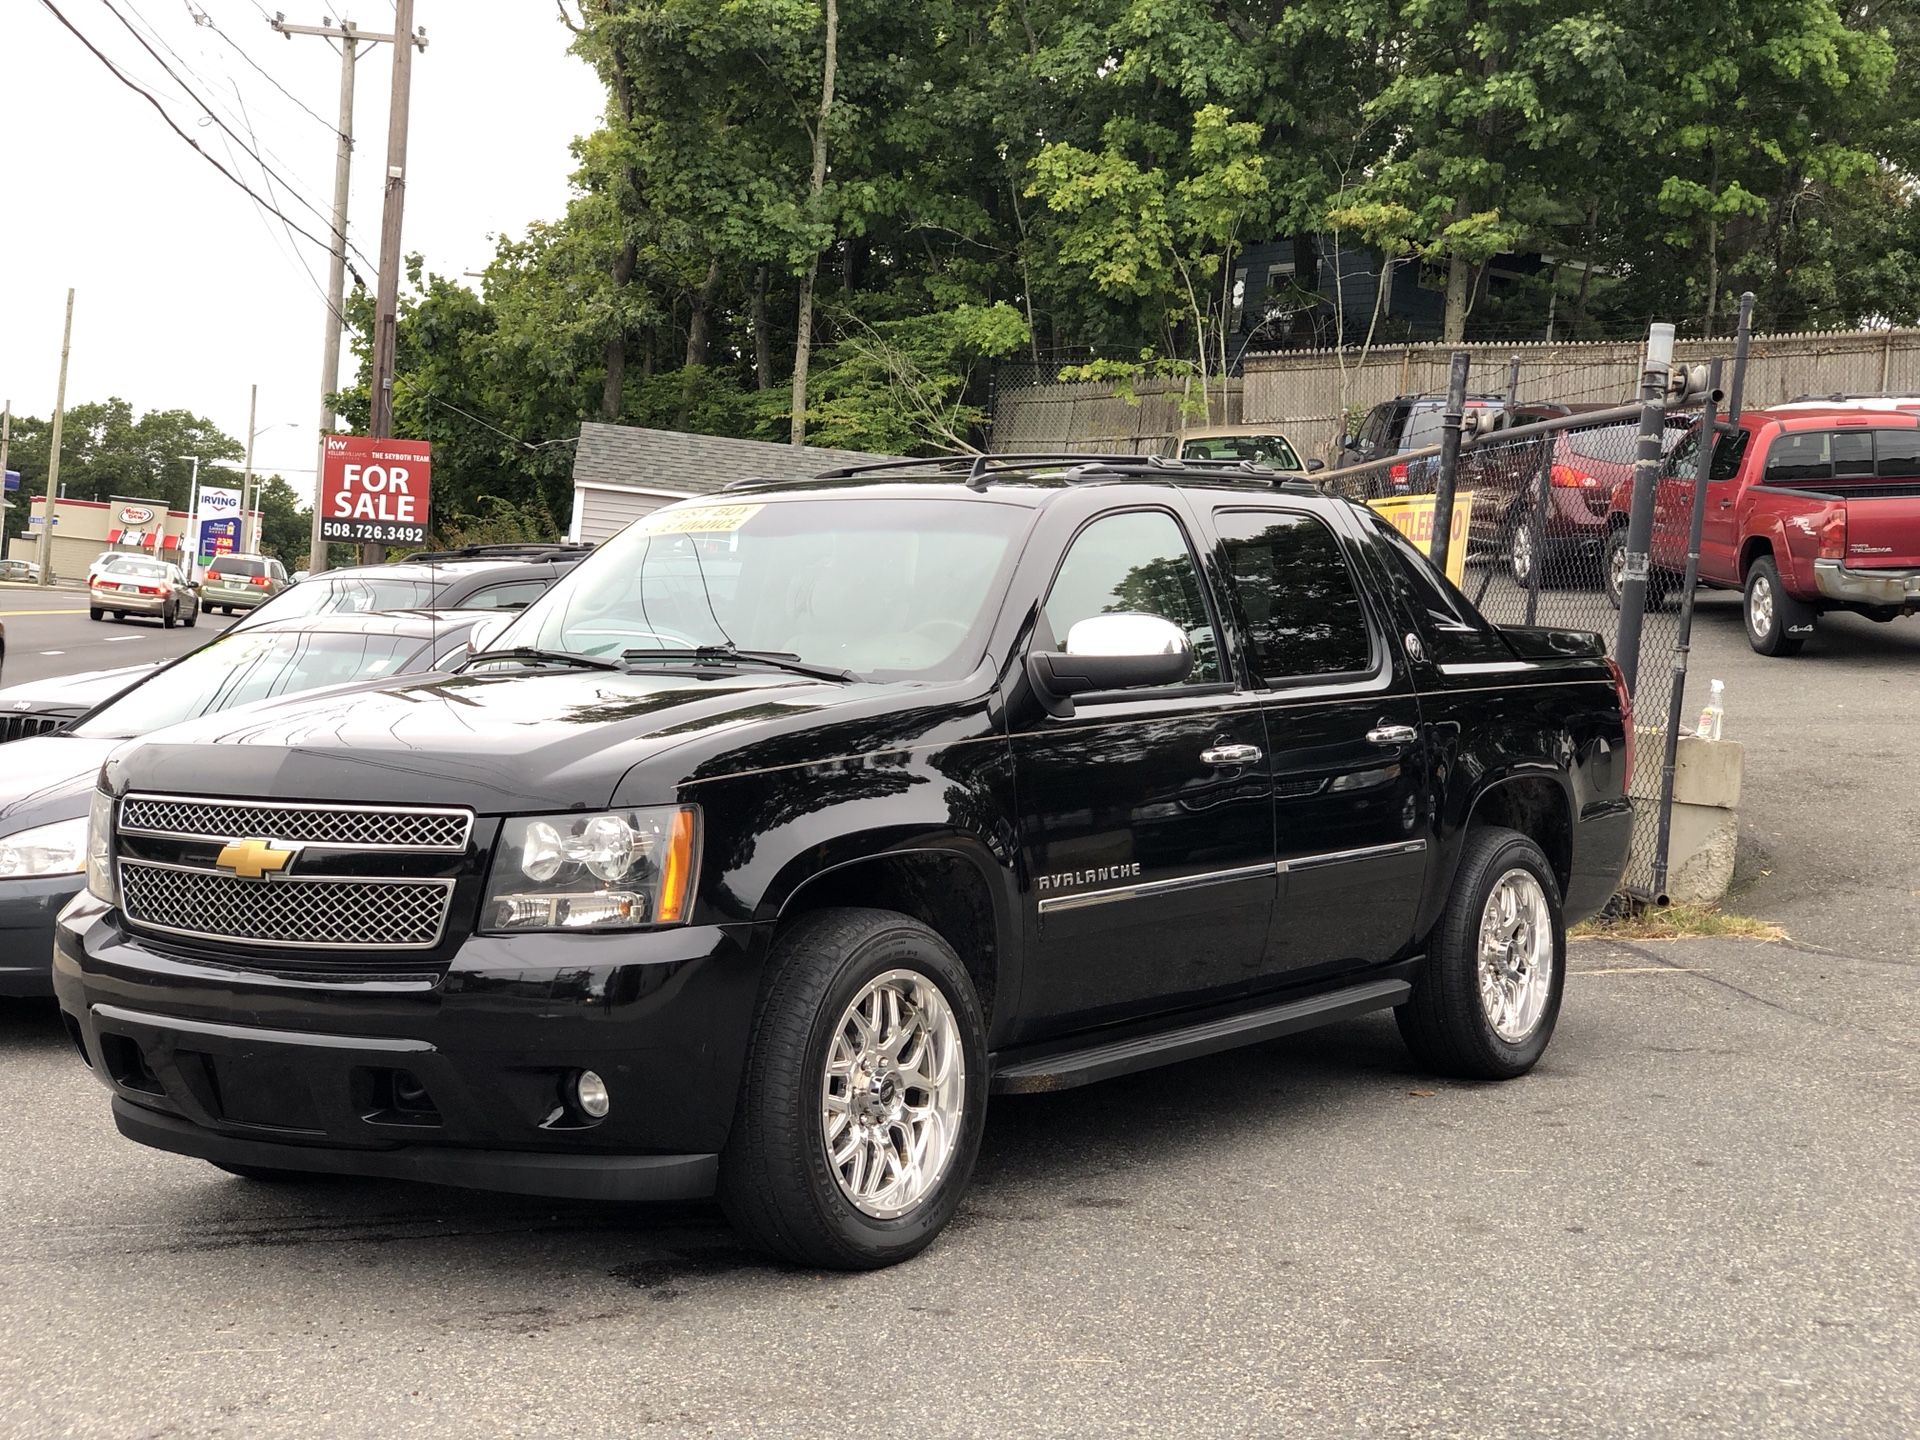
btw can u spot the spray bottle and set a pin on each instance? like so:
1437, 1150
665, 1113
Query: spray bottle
1713, 714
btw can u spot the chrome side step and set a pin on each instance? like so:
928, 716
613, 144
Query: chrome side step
1066, 1069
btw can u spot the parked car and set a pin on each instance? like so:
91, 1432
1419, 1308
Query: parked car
478, 577
1260, 444
1808, 510
1588, 464
144, 587
241, 582
765, 845
1393, 427
18, 570
46, 782
39, 707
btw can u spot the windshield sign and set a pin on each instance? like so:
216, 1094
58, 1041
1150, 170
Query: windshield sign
889, 589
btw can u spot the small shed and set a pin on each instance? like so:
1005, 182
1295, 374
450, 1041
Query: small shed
621, 472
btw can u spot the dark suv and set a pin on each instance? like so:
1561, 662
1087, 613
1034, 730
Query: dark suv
1393, 427
798, 820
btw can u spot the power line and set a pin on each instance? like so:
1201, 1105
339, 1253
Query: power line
174, 125
201, 17
285, 184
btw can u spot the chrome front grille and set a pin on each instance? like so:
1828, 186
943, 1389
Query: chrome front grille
19, 727
353, 879
309, 914
344, 826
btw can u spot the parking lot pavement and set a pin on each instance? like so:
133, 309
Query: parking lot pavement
1695, 1218
49, 634
1830, 809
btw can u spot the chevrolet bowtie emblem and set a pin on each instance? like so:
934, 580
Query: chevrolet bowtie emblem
252, 859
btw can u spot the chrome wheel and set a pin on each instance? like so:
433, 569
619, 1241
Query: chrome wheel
1760, 607
1516, 955
893, 1098
1616, 571
1520, 553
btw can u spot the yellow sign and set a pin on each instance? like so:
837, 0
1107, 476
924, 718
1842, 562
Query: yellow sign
1413, 518
698, 520
252, 859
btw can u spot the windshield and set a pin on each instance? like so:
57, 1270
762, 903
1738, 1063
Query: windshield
1263, 449
344, 595
886, 588
239, 669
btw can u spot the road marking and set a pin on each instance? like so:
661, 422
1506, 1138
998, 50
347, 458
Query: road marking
53, 652
80, 611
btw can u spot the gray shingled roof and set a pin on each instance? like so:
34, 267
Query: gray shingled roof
693, 464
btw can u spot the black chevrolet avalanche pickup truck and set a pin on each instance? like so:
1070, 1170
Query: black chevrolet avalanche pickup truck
795, 822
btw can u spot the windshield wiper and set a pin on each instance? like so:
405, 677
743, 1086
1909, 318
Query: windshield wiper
731, 655
536, 655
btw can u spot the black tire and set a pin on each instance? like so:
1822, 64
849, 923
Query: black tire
1443, 1021
776, 1183
169, 618
94, 612
1767, 611
193, 618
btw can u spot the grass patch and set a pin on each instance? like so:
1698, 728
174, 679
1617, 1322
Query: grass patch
1676, 922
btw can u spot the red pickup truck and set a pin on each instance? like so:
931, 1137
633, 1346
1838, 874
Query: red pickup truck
1809, 508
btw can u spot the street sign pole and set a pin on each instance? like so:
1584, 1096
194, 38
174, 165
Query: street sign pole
53, 450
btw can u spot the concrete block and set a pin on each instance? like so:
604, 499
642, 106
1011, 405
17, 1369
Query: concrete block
1705, 827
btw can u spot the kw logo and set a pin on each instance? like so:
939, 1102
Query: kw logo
252, 859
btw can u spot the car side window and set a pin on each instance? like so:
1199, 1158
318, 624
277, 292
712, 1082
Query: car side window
1139, 561
1449, 627
1898, 452
1803, 455
1303, 612
516, 596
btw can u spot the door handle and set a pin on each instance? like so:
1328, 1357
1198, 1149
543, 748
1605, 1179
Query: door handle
1225, 755
1393, 735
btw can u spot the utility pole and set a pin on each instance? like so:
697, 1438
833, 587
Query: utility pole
350, 38
387, 302
6, 438
53, 451
246, 476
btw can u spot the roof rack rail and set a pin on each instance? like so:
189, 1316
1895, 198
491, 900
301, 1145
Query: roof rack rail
512, 550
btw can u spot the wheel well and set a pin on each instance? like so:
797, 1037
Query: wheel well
1538, 809
943, 891
1751, 551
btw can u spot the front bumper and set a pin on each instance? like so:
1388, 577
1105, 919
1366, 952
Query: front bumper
1845, 586
328, 1076
27, 911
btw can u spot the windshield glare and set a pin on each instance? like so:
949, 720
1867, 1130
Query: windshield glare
884, 588
344, 595
241, 669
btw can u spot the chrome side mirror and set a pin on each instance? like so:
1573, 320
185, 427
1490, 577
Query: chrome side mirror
1121, 651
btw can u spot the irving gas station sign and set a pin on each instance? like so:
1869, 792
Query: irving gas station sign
374, 490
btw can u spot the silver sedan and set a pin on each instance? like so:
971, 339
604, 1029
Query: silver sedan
144, 587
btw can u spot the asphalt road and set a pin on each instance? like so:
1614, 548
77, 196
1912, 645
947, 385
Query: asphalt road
1696, 1218
48, 633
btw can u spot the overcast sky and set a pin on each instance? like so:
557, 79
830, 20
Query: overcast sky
186, 293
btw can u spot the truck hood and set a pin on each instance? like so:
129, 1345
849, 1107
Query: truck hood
500, 742
47, 778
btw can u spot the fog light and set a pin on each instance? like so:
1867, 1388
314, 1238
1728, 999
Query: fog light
590, 1094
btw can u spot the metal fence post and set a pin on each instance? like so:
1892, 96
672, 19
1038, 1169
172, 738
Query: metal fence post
1676, 698
1742, 334
1449, 460
1537, 521
1646, 476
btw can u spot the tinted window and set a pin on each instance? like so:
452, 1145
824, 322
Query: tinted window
345, 594
1423, 429
1852, 452
1138, 561
516, 596
1303, 613
242, 667
1807, 455
230, 567
1899, 452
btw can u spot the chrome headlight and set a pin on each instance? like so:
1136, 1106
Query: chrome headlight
56, 849
100, 849
615, 870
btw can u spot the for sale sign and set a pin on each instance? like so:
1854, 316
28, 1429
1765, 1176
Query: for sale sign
374, 490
